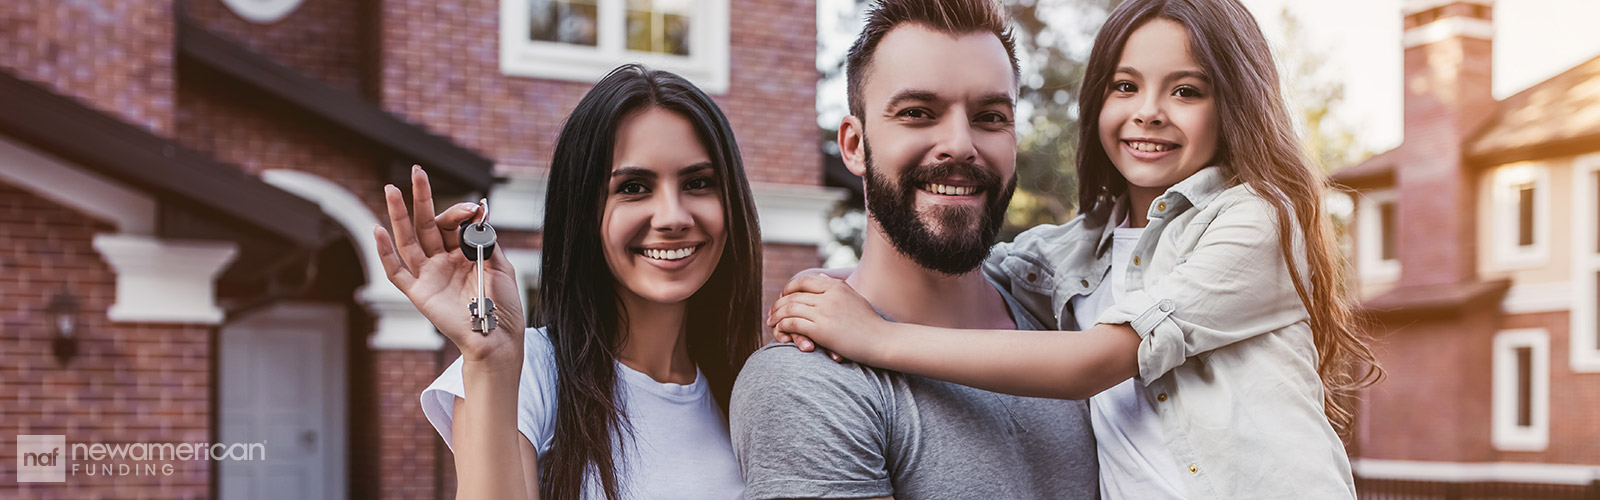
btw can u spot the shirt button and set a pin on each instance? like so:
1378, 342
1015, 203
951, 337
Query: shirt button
1165, 305
1135, 260
1194, 469
1161, 207
1032, 277
1085, 283
1161, 397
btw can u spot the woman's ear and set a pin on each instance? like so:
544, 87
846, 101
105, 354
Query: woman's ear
852, 148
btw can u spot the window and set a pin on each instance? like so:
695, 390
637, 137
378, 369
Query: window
1520, 216
1521, 390
1377, 243
1585, 351
262, 11
582, 40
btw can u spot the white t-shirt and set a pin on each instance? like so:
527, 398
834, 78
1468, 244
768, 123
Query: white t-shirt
679, 447
1135, 462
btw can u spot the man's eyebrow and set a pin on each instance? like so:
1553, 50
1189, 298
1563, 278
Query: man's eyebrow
997, 99
918, 95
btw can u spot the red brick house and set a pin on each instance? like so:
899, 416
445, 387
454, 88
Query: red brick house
1476, 249
187, 191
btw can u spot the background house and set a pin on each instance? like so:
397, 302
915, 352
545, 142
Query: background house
192, 185
1477, 245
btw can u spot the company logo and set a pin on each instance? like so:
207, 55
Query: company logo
41, 458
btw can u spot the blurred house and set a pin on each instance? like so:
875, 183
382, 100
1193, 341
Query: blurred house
1478, 253
188, 191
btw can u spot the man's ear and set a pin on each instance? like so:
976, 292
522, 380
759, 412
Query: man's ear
852, 146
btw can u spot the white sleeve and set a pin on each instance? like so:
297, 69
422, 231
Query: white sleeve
536, 394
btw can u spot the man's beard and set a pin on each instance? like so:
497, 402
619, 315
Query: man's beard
965, 233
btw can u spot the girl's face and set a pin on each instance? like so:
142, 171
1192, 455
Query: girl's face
662, 226
1159, 123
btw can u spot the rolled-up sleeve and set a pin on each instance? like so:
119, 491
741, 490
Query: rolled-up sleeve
1234, 285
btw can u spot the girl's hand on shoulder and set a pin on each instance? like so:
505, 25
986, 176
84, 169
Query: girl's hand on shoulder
423, 260
817, 309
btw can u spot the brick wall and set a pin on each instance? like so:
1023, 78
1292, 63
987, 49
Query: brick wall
407, 445
1435, 403
130, 383
515, 120
323, 39
115, 56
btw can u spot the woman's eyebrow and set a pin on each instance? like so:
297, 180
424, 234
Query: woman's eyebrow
633, 171
694, 168
1179, 75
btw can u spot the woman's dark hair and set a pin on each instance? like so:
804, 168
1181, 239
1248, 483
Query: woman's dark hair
1256, 145
579, 302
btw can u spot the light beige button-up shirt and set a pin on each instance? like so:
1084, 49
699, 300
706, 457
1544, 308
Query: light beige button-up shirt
1226, 358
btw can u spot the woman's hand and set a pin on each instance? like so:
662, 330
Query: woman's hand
819, 309
423, 262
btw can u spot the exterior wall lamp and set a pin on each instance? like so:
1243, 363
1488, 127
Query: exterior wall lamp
63, 311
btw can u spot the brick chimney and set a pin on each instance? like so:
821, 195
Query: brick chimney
1448, 64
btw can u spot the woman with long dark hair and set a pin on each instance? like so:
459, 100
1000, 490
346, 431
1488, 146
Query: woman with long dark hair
650, 295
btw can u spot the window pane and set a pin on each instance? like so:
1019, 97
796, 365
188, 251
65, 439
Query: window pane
564, 21
659, 26
1524, 386
1387, 230
1525, 215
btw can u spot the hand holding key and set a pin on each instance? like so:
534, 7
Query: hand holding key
444, 284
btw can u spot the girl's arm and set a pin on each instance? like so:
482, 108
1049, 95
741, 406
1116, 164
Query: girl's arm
1055, 364
493, 459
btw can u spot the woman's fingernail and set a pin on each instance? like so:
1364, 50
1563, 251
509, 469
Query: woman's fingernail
416, 167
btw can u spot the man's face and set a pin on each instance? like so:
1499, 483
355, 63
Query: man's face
939, 146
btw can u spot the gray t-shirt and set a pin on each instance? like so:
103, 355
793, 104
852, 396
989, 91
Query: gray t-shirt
806, 427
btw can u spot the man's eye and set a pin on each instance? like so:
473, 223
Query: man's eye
994, 118
917, 113
632, 188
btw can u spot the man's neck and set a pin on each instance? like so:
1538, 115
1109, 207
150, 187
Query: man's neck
909, 293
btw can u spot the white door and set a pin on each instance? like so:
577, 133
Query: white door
283, 384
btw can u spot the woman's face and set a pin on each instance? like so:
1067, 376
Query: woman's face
662, 226
1159, 122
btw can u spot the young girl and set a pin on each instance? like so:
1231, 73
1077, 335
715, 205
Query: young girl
1216, 345
651, 293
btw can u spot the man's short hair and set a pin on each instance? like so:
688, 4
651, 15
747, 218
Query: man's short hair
952, 17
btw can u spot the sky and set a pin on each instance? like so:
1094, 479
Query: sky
1534, 40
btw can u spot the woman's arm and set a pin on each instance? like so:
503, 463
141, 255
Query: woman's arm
488, 464
1064, 365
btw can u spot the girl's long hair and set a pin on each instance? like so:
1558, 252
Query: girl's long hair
1258, 145
579, 301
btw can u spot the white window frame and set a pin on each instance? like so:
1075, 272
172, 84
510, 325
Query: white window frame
706, 66
1506, 434
1584, 355
1369, 244
1507, 253
262, 11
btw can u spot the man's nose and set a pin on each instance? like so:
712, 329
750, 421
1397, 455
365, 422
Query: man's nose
955, 141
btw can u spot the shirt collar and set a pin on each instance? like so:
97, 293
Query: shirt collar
1198, 190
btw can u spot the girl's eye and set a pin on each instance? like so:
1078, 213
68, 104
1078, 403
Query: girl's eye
698, 184
632, 187
1186, 91
1124, 87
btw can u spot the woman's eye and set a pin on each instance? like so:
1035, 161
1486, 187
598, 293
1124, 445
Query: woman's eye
698, 184
632, 188
1124, 86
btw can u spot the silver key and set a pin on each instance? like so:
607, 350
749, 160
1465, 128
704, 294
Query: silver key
479, 238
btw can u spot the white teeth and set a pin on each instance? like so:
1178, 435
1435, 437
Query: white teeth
949, 190
662, 254
1149, 147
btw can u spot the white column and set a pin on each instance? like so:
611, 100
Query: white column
165, 281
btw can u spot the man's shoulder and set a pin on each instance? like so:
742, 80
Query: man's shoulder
786, 365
